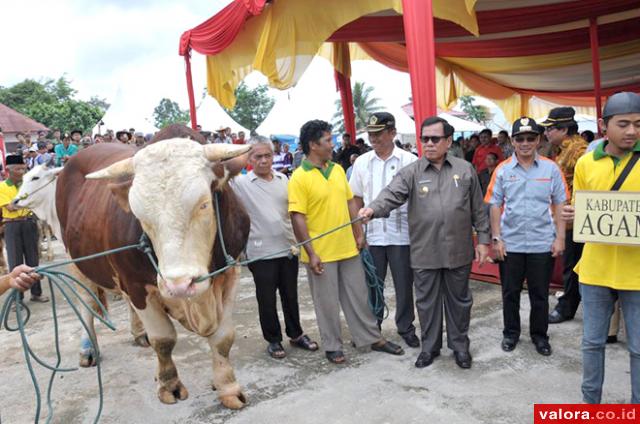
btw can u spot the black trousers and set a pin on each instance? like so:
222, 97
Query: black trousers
569, 301
21, 241
398, 259
537, 269
279, 274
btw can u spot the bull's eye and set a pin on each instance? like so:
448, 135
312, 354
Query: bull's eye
204, 206
35, 178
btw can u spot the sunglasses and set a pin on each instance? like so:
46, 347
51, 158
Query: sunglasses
435, 139
529, 139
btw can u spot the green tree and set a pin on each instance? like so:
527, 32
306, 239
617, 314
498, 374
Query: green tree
474, 112
252, 106
168, 112
53, 103
364, 104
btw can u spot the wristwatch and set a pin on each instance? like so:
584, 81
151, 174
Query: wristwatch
495, 239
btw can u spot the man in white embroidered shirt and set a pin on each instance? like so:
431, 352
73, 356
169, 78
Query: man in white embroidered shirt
388, 238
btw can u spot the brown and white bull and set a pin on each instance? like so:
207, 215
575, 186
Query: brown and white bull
165, 189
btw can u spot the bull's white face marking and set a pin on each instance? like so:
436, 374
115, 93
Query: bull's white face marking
171, 196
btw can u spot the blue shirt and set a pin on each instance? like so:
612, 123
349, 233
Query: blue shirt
61, 151
527, 195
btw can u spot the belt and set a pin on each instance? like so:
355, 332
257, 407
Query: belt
22, 219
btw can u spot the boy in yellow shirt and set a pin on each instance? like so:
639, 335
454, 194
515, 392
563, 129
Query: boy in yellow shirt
610, 272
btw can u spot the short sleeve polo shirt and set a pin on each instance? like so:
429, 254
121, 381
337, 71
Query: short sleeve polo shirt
321, 195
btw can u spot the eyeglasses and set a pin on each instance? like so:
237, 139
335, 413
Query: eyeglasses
549, 129
529, 139
435, 139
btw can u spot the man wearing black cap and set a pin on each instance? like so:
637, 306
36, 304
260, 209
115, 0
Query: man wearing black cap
21, 230
525, 238
561, 130
388, 238
609, 272
343, 154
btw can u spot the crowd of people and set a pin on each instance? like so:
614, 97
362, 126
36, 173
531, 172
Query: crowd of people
478, 199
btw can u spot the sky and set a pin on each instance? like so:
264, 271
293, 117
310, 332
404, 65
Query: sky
132, 45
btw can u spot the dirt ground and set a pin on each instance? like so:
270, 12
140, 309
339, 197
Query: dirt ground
304, 388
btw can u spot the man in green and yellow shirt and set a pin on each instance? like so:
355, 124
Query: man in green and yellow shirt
20, 228
320, 200
610, 272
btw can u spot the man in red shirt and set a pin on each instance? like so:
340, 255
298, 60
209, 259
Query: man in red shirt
486, 146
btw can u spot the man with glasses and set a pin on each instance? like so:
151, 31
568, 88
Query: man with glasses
388, 238
444, 202
561, 130
525, 238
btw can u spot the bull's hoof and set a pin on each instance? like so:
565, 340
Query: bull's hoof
142, 341
88, 359
234, 401
173, 393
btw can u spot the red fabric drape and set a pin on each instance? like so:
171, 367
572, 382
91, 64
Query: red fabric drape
216, 33
346, 98
595, 63
390, 28
556, 42
421, 56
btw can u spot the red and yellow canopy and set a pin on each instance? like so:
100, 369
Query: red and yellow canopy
524, 54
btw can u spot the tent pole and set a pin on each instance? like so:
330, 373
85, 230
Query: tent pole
595, 63
342, 71
421, 55
192, 100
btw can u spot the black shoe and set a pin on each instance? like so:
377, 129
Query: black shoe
463, 359
508, 344
556, 317
425, 359
543, 347
612, 339
412, 340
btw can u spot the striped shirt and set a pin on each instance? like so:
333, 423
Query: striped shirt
526, 196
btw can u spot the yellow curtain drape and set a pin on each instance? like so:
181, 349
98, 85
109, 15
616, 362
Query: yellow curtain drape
281, 42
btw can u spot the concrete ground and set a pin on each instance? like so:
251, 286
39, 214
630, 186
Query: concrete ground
304, 388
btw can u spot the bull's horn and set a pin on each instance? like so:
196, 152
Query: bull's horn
219, 151
122, 168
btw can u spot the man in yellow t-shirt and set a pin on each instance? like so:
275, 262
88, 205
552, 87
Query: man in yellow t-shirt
320, 200
609, 272
20, 228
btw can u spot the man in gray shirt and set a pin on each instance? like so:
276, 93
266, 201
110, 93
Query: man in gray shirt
444, 205
263, 193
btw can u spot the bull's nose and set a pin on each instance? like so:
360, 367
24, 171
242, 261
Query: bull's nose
180, 287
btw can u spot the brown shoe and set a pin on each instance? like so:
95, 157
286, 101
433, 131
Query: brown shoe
39, 299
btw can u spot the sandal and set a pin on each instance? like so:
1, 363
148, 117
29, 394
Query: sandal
304, 342
336, 357
276, 350
388, 347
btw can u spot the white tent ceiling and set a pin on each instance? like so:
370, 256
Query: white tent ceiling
124, 114
212, 116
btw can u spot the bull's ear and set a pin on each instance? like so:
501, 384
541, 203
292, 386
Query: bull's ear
56, 171
121, 192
